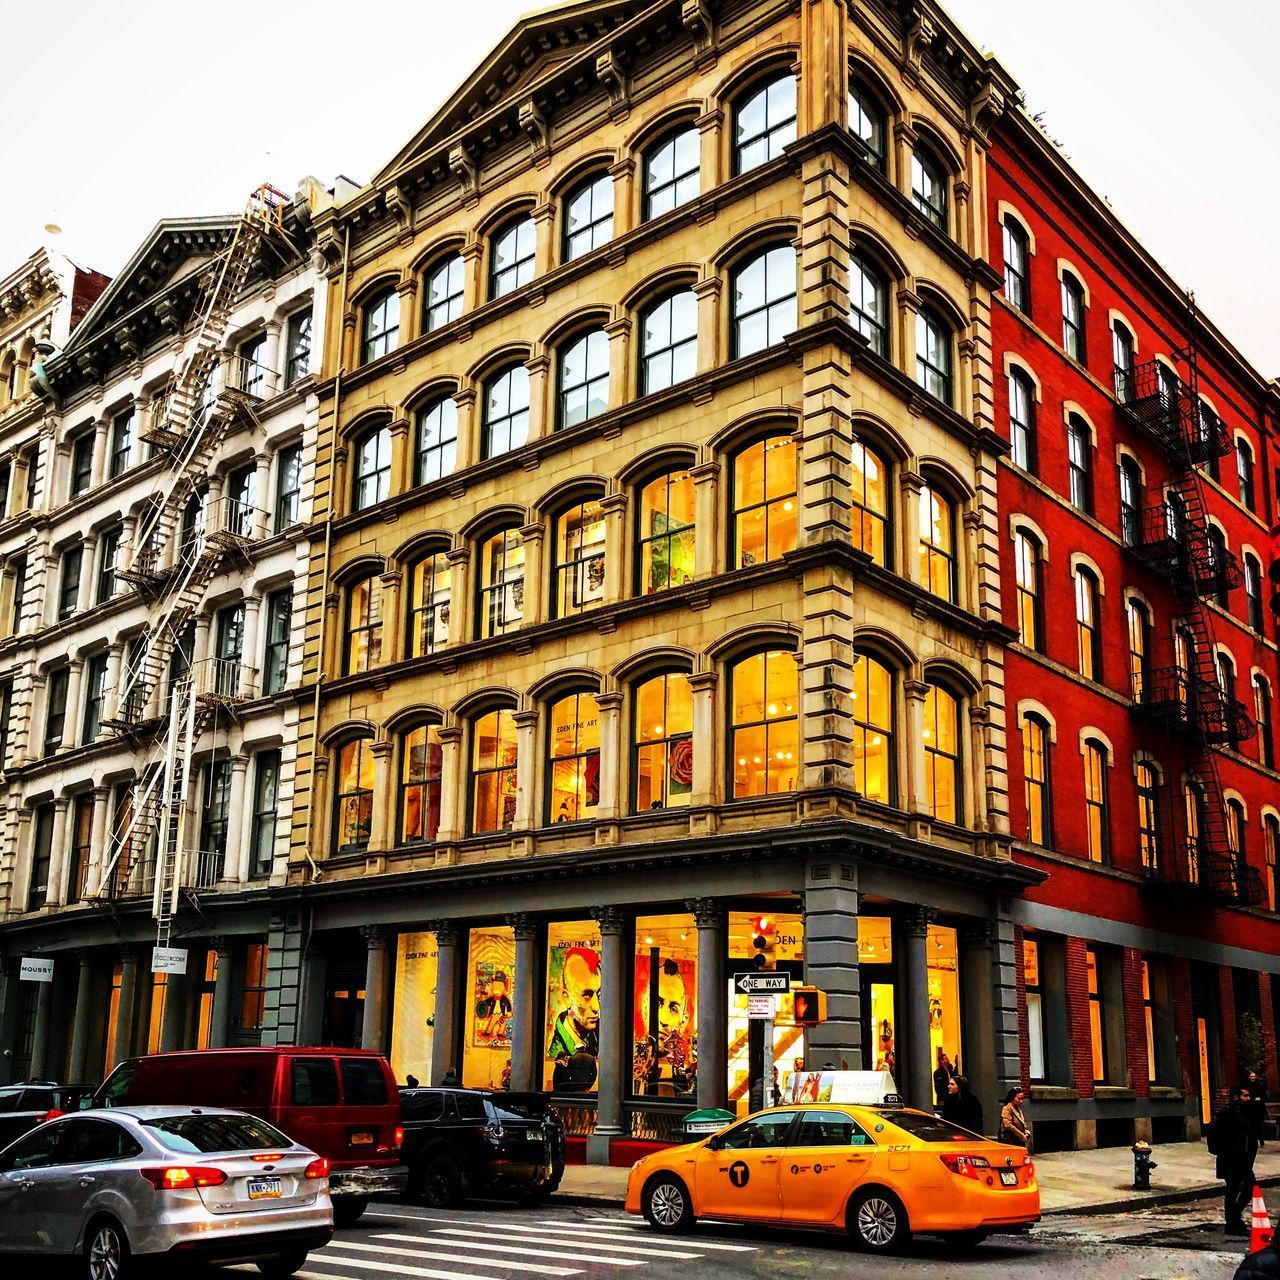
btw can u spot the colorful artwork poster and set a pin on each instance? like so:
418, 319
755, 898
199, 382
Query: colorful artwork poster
493, 963
414, 1010
680, 768
665, 1021
672, 552
573, 1008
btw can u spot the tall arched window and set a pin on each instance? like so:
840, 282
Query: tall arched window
512, 257
1022, 420
578, 559
1073, 317
665, 536
937, 550
1017, 275
1088, 629
493, 781
501, 584
373, 467
353, 796
1122, 357
764, 702
669, 342
1262, 720
588, 216
1080, 464
506, 411
662, 743
764, 300
869, 303
1097, 823
672, 172
1037, 783
430, 584
436, 444
873, 745
1219, 558
1194, 818
381, 326
573, 758
584, 378
764, 122
929, 187
867, 122
942, 754
1027, 554
1226, 670
869, 495
1237, 831
1271, 834
1148, 816
443, 293
1138, 619
1130, 501
764, 500
1244, 472
1253, 592
364, 625
933, 354
421, 763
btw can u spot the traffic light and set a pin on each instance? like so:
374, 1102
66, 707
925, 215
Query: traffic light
810, 1006
1273, 570
763, 943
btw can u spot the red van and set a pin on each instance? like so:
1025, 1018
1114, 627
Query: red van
342, 1103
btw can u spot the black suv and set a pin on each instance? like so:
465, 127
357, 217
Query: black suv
460, 1142
23, 1106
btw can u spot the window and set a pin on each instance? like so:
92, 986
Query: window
275, 658
1219, 559
867, 123
1139, 628
1226, 670
584, 379
493, 772
669, 342
1244, 472
1027, 555
873, 745
353, 808
381, 325
421, 770
253, 992
95, 696
288, 486
1097, 834
1262, 721
1080, 464
430, 586
764, 500
56, 709
108, 558
437, 440
501, 584
506, 411
588, 217
1073, 318
1148, 816
942, 754
764, 300
1097, 1030
765, 724
373, 467
1237, 831
1035, 1009
1194, 816
869, 304
511, 259
266, 803
573, 764
19, 592
41, 856
314, 1083
1271, 833
242, 494
937, 550
929, 187
230, 650
662, 743
121, 443
214, 820
1022, 420
1088, 639
672, 172
81, 845
81, 465
1036, 780
665, 532
1130, 502
869, 517
1253, 591
933, 354
578, 551
1122, 357
1017, 277
364, 625
69, 584
297, 346
253, 373
442, 301
764, 123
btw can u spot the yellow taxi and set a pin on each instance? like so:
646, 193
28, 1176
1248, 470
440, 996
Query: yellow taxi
881, 1173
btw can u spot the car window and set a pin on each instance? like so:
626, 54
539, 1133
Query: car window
926, 1128
206, 1133
517, 1106
829, 1129
36, 1150
9, 1099
115, 1089
421, 1106
36, 1100
363, 1082
315, 1082
470, 1106
762, 1131
85, 1141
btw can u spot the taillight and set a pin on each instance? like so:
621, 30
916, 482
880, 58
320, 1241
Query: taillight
318, 1168
183, 1178
52, 1114
397, 1138
1031, 1170
267, 1157
966, 1166
493, 1132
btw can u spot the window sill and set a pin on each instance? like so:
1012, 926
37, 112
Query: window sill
1054, 1093
1113, 1093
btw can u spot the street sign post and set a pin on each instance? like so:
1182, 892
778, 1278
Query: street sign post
755, 984
759, 1008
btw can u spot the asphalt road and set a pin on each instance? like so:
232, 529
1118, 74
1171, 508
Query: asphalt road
501, 1242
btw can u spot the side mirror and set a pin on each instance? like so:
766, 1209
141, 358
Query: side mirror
713, 1143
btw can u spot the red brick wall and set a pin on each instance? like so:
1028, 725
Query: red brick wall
1135, 1023
1077, 981
1024, 1033
1268, 1030
1227, 1013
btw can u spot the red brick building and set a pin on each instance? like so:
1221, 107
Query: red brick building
1135, 509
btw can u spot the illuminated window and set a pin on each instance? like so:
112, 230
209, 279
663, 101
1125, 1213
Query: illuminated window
1022, 420
501, 584
672, 172
1194, 818
584, 379
493, 772
1035, 1009
443, 294
511, 257
933, 354
1027, 579
662, 743
941, 755
873, 746
1148, 816
666, 537
1036, 780
364, 625
1073, 318
1080, 464
1097, 833
418, 811
1237, 831
664, 1058
1271, 834
506, 411
486, 1039
869, 518
764, 500
669, 342
1017, 277
1139, 627
1097, 1033
1262, 721
869, 303
436, 444
573, 766
588, 216
1148, 1019
430, 585
867, 122
1088, 640
764, 123
373, 467
353, 807
764, 300
381, 325
765, 724
937, 550
578, 551
572, 1038
929, 187
253, 994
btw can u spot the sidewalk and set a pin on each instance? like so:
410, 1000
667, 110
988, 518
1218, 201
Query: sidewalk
1070, 1181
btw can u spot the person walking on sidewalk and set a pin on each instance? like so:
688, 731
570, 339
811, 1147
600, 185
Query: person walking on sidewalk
943, 1076
1263, 1265
1014, 1128
1256, 1110
960, 1107
1231, 1140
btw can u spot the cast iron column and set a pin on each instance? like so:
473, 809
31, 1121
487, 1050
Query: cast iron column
220, 1020
613, 968
713, 1010
80, 1027
444, 1044
373, 1032
524, 1002
978, 1053
126, 1010
919, 1073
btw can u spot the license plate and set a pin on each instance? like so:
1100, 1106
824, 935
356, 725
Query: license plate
362, 1139
1009, 1177
264, 1188
532, 1136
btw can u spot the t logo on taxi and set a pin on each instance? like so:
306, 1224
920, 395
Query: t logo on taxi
739, 1174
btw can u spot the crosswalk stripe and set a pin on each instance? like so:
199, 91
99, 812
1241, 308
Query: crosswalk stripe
427, 1255
401, 1269
559, 1237
565, 1253
614, 1233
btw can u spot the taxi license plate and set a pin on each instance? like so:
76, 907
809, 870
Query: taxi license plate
362, 1139
1009, 1177
264, 1188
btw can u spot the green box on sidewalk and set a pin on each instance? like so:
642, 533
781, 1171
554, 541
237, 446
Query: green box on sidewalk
698, 1124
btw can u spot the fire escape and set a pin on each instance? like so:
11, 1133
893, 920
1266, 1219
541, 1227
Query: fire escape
1195, 859
164, 699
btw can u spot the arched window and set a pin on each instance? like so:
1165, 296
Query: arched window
662, 743
1148, 816
1080, 464
1139, 626
493, 779
929, 187
1122, 358
584, 378
1262, 721
443, 293
1073, 317
1194, 817
381, 325
1271, 834
1017, 275
506, 411
1219, 559
1253, 591
421, 763
1037, 783
1027, 554
511, 257
1097, 824
942, 755
1244, 472
430, 583
867, 122
869, 303
578, 559
1022, 420
764, 500
436, 447
672, 172
869, 495
1130, 501
373, 467
501, 584
665, 535
1237, 830
764, 122
764, 300
937, 550
573, 758
588, 216
1226, 671
669, 342
765, 743
353, 796
1088, 637
873, 738
933, 354
364, 625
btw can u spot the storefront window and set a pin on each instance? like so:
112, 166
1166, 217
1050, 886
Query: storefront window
574, 767
875, 947
413, 1016
1035, 1008
664, 1060
1097, 1040
486, 1051
573, 1007
663, 760
944, 996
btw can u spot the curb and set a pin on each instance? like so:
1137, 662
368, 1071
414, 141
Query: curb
1154, 1200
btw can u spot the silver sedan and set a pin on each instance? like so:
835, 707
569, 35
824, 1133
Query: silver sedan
204, 1184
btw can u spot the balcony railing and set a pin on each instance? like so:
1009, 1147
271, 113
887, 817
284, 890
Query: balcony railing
1158, 403
210, 869
224, 680
1198, 874
1180, 551
1176, 697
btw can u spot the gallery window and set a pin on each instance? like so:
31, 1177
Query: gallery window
666, 541
353, 796
869, 495
942, 754
669, 342
763, 300
873, 738
672, 172
1038, 790
493, 771
764, 123
573, 758
512, 257
665, 1013
578, 554
662, 743
572, 1039
501, 584
764, 500
486, 1040
588, 216
430, 587
764, 702
421, 762
364, 625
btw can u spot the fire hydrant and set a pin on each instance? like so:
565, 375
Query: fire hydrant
1142, 1166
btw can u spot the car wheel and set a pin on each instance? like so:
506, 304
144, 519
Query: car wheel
287, 1264
665, 1203
106, 1251
349, 1209
963, 1241
442, 1182
878, 1222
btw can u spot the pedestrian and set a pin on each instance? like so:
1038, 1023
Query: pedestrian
755, 1100
1263, 1265
1014, 1128
1256, 1111
450, 1080
1231, 1140
960, 1107
943, 1076
411, 1080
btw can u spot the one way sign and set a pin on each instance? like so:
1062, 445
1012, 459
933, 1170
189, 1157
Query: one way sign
757, 983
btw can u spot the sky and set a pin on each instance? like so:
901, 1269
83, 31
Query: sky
120, 114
